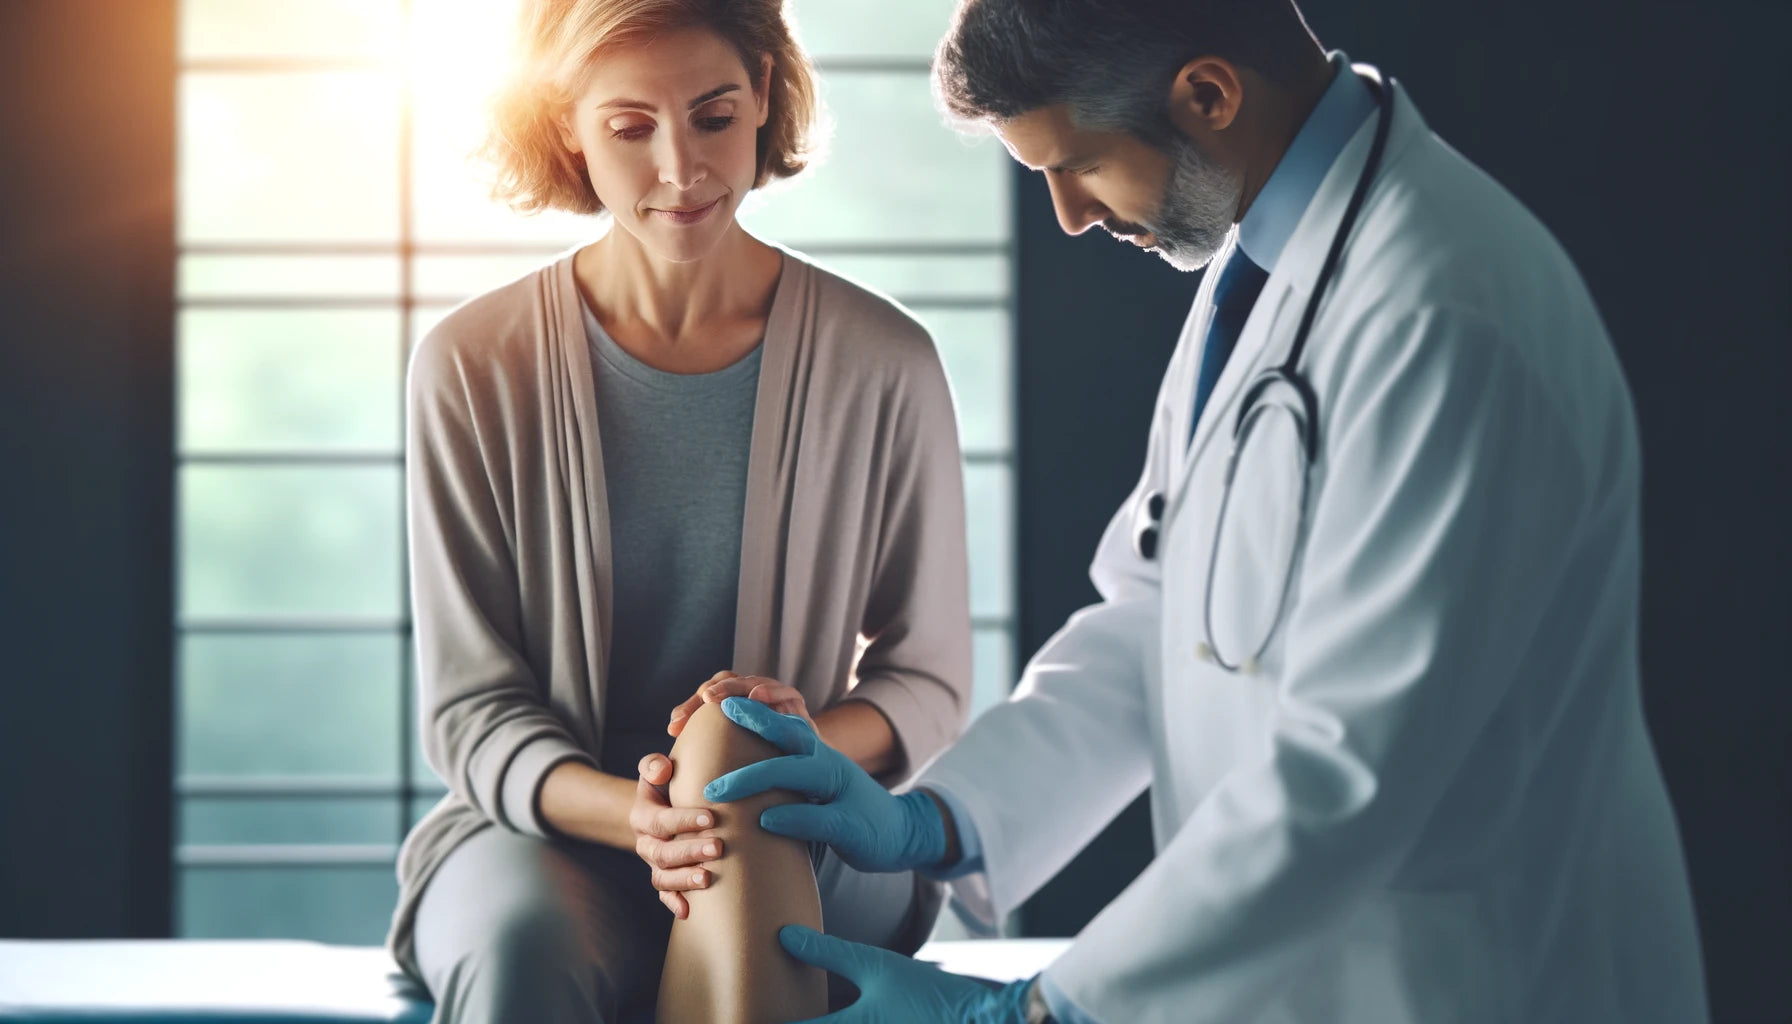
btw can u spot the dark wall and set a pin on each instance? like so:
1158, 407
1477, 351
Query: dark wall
1094, 328
86, 366
1653, 138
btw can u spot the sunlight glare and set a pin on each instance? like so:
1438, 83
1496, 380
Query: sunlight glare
454, 55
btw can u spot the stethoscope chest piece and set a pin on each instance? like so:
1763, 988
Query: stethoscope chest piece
1145, 536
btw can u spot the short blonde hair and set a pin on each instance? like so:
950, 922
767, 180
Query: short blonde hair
556, 42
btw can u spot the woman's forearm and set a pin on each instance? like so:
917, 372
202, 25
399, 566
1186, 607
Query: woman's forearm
583, 803
860, 731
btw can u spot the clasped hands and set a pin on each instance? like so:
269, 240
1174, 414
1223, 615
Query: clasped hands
871, 829
679, 843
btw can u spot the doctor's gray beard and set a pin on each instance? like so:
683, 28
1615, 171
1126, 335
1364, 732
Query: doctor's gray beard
1200, 201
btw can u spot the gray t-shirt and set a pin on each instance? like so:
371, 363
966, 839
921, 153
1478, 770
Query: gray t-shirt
675, 466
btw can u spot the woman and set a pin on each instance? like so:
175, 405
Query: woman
677, 453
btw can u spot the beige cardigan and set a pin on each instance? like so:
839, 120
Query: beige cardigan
853, 528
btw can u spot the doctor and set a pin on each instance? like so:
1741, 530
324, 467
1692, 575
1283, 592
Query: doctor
1368, 623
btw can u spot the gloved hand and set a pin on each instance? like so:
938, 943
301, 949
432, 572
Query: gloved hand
869, 828
895, 989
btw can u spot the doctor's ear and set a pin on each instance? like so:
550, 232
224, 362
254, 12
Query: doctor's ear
1205, 96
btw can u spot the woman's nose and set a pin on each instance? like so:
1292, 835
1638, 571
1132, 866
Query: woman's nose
680, 165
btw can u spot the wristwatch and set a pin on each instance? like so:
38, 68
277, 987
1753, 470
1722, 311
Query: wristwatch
1037, 1010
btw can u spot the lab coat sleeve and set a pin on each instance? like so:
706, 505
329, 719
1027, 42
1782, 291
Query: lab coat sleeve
1450, 494
1039, 776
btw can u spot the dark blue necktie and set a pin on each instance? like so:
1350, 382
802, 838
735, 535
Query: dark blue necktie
1233, 296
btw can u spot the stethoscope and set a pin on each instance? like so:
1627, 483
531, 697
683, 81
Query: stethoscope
1303, 411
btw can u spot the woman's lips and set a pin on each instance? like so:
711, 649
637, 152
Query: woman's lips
692, 215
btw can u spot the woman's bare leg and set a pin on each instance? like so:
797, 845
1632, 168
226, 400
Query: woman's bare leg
723, 963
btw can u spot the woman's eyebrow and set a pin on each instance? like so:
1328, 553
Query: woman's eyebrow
720, 90
621, 104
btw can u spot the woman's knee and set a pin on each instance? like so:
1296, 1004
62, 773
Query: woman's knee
709, 747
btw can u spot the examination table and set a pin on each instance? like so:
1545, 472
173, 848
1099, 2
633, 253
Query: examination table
275, 982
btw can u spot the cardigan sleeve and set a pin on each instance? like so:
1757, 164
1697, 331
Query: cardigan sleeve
916, 666
486, 726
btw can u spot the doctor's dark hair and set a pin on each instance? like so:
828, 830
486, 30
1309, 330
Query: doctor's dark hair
1109, 61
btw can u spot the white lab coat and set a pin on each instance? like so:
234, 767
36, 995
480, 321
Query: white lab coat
1436, 800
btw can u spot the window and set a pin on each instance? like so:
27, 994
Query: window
327, 219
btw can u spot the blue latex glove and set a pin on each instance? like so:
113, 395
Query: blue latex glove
870, 828
895, 989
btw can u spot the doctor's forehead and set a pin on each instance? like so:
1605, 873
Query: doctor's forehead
1044, 138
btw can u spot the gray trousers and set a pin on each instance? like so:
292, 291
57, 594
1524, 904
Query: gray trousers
514, 928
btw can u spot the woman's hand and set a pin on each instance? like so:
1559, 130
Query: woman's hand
676, 842
872, 829
780, 698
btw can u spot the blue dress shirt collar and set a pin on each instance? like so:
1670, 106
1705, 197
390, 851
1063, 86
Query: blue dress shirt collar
1277, 210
